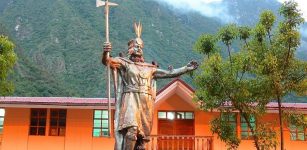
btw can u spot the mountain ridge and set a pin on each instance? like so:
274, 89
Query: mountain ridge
60, 42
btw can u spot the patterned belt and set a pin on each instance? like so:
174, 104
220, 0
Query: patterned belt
137, 89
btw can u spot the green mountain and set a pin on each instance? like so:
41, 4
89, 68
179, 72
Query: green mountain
59, 42
29, 79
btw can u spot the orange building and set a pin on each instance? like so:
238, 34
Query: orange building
67, 123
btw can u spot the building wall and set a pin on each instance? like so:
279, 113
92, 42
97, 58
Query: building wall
78, 133
201, 118
0, 141
15, 129
171, 104
202, 125
79, 130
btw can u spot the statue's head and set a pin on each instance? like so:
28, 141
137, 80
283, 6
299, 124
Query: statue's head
136, 45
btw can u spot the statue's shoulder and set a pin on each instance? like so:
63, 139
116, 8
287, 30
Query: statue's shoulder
145, 64
125, 60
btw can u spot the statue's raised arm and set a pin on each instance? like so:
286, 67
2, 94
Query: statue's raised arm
107, 47
115, 62
171, 73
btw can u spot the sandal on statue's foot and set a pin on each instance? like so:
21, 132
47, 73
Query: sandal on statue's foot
146, 139
140, 147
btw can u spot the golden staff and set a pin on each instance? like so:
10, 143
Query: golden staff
106, 5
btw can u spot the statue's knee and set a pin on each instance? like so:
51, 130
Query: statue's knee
132, 133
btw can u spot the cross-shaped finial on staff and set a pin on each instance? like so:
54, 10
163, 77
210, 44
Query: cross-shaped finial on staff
106, 4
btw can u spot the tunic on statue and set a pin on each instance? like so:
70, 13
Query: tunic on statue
137, 96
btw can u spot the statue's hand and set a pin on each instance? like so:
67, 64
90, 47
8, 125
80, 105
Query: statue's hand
192, 65
107, 46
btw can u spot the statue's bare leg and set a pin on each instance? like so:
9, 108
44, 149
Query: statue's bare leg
130, 138
141, 143
119, 139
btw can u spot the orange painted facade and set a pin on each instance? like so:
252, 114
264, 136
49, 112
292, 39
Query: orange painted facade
79, 125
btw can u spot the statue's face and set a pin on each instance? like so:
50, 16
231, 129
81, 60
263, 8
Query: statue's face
138, 47
136, 50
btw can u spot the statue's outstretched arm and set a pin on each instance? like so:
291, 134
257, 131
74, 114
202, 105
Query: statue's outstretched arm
160, 73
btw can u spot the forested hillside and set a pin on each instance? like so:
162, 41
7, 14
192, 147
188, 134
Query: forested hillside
29, 79
59, 42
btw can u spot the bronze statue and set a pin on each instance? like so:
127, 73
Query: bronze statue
135, 92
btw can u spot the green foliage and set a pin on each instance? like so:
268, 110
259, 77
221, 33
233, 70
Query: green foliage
267, 136
286, 71
244, 33
259, 33
228, 34
225, 132
262, 70
7, 60
295, 118
267, 19
206, 44
221, 82
293, 16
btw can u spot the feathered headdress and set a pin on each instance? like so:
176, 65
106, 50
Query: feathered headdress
138, 32
138, 29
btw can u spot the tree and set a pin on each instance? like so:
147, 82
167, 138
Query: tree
206, 44
7, 60
286, 73
263, 69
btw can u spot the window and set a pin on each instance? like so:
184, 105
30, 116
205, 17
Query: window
2, 113
38, 121
231, 118
57, 122
162, 115
297, 133
245, 130
175, 115
176, 123
101, 123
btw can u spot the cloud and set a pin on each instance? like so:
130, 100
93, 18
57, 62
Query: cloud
210, 8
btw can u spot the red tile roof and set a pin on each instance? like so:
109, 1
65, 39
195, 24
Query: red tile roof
274, 105
73, 101
173, 81
66, 101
